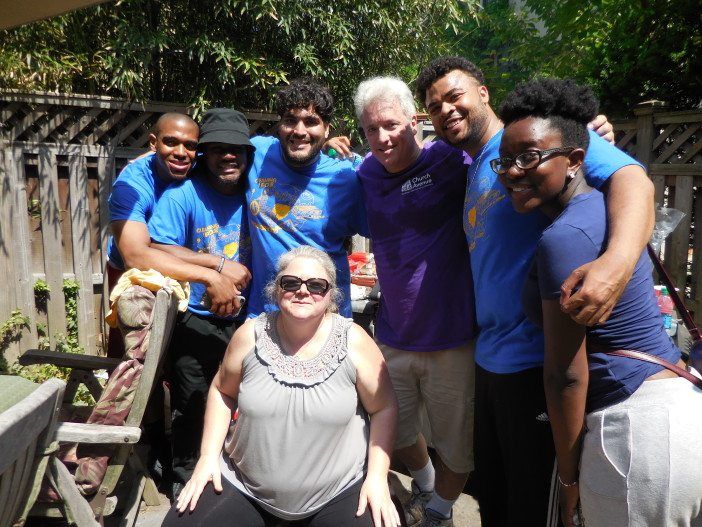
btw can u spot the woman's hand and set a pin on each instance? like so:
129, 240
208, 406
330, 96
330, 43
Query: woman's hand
376, 493
569, 498
206, 470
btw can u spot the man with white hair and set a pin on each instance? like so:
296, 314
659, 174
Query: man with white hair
425, 326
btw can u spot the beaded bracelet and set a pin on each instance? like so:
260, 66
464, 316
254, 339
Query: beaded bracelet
221, 265
567, 484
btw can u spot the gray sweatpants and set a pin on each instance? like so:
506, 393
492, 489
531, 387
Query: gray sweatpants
641, 461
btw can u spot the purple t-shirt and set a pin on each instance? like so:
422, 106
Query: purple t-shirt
421, 253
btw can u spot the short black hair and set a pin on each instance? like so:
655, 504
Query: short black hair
301, 94
437, 68
567, 105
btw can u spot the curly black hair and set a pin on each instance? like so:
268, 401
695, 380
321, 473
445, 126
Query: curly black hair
437, 68
301, 94
567, 105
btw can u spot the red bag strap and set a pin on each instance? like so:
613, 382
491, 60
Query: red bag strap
679, 304
640, 355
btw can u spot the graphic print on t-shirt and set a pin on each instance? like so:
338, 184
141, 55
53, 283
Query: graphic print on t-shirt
416, 183
282, 206
476, 207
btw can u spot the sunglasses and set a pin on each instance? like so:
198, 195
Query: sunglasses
315, 286
526, 160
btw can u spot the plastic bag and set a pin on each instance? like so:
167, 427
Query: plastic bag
667, 220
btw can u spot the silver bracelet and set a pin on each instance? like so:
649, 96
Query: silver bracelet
221, 265
567, 484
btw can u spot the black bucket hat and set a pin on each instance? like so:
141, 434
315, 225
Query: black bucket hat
224, 125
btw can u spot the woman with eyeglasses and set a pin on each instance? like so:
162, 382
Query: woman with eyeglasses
316, 416
626, 432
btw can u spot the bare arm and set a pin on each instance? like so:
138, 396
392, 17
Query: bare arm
565, 383
378, 398
133, 241
631, 217
221, 402
239, 273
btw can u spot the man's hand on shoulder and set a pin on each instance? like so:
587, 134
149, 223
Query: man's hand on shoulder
341, 144
602, 127
592, 290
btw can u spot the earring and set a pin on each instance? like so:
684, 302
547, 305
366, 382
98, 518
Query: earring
570, 176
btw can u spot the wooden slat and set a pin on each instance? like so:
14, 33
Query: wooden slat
91, 101
29, 120
694, 150
135, 123
679, 240
679, 141
104, 127
626, 139
140, 141
82, 265
52, 124
675, 169
9, 110
79, 511
658, 188
21, 248
68, 360
105, 179
658, 141
81, 123
7, 300
6, 495
94, 433
686, 116
51, 238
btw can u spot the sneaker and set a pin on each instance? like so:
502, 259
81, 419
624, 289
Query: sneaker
432, 519
416, 506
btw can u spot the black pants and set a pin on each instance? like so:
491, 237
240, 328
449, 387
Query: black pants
514, 452
197, 347
232, 508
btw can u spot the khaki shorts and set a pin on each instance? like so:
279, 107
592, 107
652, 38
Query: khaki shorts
443, 382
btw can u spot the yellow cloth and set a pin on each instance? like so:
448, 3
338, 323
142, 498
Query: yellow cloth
151, 280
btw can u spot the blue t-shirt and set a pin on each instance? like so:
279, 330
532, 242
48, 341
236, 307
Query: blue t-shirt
502, 243
578, 236
420, 250
194, 215
134, 195
318, 205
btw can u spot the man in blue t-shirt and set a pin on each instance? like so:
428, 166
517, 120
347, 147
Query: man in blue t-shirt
514, 455
200, 218
132, 200
299, 196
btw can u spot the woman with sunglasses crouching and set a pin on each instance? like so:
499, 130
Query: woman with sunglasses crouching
316, 416
626, 431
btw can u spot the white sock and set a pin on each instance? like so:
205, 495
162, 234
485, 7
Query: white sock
424, 477
440, 506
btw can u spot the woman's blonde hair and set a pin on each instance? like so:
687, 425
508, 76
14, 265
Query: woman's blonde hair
311, 253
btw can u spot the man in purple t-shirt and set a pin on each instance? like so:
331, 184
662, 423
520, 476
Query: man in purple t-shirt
425, 326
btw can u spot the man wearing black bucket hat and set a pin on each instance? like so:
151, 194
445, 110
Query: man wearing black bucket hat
203, 221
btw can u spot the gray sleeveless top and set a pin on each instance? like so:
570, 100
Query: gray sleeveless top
302, 435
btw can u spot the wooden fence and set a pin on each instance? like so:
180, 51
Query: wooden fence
59, 155
669, 144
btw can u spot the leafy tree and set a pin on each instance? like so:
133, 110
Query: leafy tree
225, 52
628, 50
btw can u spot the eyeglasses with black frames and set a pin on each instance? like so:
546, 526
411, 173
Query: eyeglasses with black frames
526, 160
315, 286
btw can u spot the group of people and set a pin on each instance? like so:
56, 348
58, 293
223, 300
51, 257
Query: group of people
495, 317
